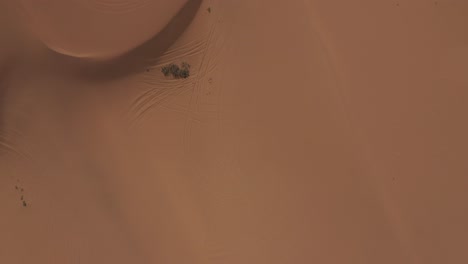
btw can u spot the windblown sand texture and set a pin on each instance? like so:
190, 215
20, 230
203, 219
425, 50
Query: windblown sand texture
313, 131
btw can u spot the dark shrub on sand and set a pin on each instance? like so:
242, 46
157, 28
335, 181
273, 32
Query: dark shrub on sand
176, 71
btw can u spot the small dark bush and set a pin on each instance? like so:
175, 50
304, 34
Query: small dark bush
184, 73
176, 71
166, 70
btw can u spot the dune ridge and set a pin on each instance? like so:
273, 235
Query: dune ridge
310, 131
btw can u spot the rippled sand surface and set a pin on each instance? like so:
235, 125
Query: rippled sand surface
310, 131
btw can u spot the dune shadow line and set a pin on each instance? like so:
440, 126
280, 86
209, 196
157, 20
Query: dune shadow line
141, 57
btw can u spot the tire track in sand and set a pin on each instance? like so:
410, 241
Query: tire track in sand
207, 65
161, 88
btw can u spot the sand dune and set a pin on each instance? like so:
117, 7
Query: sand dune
97, 28
307, 132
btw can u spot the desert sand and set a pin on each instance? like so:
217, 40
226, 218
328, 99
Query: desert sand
311, 131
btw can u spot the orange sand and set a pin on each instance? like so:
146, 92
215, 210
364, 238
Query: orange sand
310, 131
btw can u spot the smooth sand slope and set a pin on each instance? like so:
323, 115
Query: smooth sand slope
97, 28
310, 131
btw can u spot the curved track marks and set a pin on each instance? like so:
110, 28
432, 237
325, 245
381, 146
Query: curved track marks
205, 50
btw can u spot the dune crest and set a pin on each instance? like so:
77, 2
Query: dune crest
98, 28
310, 131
